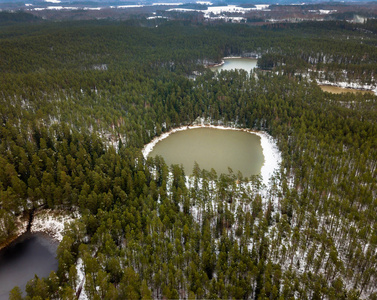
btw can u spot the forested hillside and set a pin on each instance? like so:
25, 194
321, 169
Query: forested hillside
80, 99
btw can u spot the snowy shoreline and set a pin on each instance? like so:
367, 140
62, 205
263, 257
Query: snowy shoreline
351, 85
228, 57
49, 222
271, 153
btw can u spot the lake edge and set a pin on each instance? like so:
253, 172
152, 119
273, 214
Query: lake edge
46, 221
43, 241
350, 85
270, 151
343, 90
210, 66
21, 225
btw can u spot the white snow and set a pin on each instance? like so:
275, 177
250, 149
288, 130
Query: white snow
127, 6
50, 222
261, 6
65, 8
217, 12
55, 8
181, 9
204, 2
166, 4
46, 221
272, 156
156, 17
326, 11
81, 279
233, 19
271, 153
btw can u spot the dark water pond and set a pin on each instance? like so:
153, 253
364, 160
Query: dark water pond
31, 253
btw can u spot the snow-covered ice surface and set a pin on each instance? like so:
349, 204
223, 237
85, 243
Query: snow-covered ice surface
271, 153
51, 223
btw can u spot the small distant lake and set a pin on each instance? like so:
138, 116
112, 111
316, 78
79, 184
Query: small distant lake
31, 253
246, 64
212, 148
340, 90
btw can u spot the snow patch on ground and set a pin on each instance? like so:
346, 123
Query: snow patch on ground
65, 8
167, 4
81, 279
127, 6
327, 11
51, 222
232, 19
261, 6
204, 3
156, 17
217, 12
181, 9
272, 156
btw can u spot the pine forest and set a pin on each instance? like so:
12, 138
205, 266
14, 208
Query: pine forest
80, 99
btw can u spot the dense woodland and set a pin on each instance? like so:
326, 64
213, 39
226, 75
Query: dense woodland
80, 99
